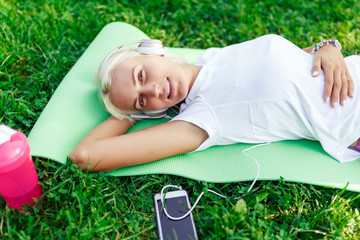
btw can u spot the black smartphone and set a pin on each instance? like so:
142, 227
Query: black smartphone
177, 204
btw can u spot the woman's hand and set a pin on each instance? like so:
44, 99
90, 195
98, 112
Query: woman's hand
338, 81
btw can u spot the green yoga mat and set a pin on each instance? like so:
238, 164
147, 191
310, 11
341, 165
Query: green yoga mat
75, 109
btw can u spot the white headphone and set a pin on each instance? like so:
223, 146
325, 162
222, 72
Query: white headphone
146, 47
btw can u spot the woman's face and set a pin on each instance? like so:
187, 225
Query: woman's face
150, 83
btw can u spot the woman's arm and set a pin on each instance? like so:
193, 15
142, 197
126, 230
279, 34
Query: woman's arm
112, 149
109, 128
338, 81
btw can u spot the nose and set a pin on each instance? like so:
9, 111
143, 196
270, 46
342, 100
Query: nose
152, 90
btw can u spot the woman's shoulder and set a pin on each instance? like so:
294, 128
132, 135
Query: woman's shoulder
272, 36
211, 53
268, 39
207, 55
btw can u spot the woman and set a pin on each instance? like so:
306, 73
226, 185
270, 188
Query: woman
257, 91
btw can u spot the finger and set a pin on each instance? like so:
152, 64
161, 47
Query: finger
344, 89
316, 69
329, 82
351, 86
336, 89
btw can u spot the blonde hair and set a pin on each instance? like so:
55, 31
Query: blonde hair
104, 73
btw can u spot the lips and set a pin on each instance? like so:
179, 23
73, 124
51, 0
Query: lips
168, 88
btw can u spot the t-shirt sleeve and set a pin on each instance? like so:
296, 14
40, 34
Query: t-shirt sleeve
199, 114
206, 56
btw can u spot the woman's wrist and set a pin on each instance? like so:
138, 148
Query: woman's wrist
325, 42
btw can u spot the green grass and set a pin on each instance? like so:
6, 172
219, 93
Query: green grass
41, 40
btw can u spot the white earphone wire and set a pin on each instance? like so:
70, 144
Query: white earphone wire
162, 195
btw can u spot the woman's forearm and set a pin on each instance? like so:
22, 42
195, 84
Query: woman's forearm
109, 128
308, 49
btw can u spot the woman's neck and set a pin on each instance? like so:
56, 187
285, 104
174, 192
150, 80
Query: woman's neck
195, 72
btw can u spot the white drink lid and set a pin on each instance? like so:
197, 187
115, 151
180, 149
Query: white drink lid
5, 133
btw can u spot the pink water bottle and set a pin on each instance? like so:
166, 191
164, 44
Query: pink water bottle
19, 183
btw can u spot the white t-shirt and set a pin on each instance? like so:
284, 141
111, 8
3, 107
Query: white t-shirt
262, 91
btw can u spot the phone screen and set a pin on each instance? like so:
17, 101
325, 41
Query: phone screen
181, 229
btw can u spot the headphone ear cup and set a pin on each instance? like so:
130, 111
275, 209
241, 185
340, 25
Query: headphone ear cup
151, 47
146, 46
150, 114
157, 113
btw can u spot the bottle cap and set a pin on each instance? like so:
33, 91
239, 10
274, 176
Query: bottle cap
5, 133
14, 149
